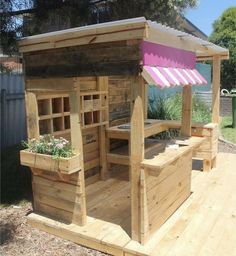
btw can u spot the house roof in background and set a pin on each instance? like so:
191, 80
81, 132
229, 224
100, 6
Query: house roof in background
190, 28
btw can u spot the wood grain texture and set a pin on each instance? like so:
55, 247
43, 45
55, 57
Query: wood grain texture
186, 111
208, 212
79, 214
136, 153
32, 115
119, 99
102, 60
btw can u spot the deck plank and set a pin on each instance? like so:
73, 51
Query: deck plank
204, 225
205, 216
194, 224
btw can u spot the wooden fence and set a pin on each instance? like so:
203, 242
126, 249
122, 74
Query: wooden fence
13, 120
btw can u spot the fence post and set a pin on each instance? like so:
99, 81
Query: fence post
3, 118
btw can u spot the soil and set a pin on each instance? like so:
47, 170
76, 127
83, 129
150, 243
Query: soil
18, 238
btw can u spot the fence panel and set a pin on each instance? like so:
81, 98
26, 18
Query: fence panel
13, 118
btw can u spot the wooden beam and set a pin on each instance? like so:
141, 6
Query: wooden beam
51, 84
136, 153
204, 57
186, 111
32, 115
129, 34
216, 90
102, 83
144, 97
79, 213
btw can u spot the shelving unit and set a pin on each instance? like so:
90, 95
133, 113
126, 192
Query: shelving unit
94, 108
54, 114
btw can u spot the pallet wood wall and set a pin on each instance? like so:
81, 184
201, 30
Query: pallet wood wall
54, 195
167, 191
119, 100
119, 58
46, 105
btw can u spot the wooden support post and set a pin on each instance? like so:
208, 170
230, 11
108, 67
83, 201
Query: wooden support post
144, 221
102, 82
186, 111
79, 212
31, 106
216, 90
144, 97
136, 153
32, 115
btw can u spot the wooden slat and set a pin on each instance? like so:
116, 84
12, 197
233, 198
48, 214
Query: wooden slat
118, 159
91, 164
136, 153
79, 215
126, 34
94, 235
51, 84
32, 115
144, 214
102, 84
87, 30
186, 111
55, 213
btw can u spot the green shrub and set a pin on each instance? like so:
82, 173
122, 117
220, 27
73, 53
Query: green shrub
170, 108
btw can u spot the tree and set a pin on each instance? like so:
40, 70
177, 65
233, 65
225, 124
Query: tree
162, 11
11, 24
97, 11
224, 34
41, 16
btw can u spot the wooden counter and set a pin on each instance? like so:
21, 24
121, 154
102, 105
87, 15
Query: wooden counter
156, 153
166, 182
151, 127
206, 151
154, 126
169, 155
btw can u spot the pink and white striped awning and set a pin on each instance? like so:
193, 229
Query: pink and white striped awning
167, 77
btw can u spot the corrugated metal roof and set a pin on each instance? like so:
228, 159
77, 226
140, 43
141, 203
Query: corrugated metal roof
188, 38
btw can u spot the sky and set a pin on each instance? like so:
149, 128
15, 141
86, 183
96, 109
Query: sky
207, 12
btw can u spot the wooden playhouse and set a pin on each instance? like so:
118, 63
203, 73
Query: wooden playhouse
89, 85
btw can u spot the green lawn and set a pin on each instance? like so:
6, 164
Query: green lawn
227, 131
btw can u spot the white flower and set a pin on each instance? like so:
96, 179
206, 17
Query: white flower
60, 145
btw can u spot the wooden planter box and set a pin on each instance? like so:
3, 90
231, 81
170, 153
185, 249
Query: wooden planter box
45, 162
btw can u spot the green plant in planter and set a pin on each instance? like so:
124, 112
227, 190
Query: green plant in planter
49, 145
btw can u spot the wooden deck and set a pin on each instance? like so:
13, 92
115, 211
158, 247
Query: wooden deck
205, 223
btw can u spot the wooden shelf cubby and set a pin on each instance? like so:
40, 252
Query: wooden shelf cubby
54, 114
94, 108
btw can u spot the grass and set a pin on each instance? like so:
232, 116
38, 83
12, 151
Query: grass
15, 179
227, 131
170, 108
